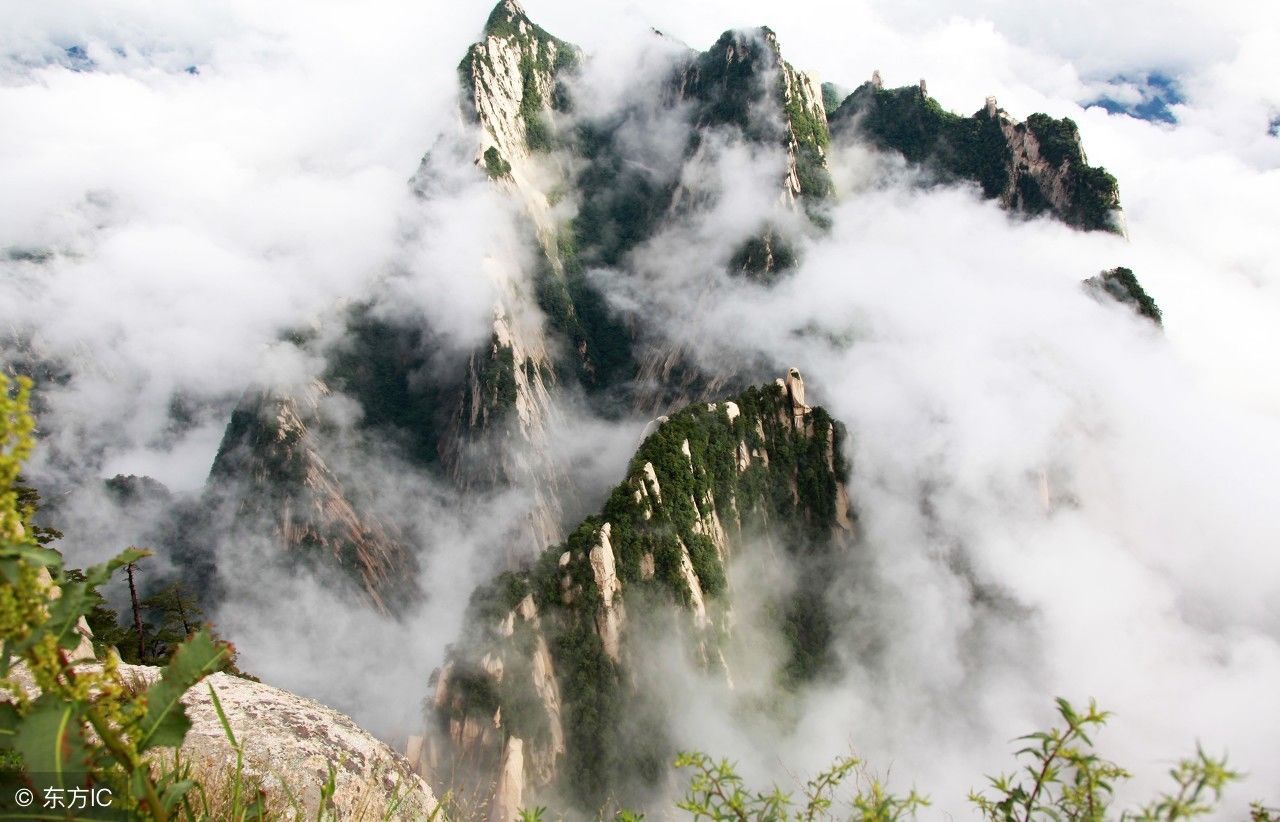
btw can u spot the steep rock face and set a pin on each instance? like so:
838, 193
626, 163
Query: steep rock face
511, 83
550, 653
743, 81
271, 466
1033, 167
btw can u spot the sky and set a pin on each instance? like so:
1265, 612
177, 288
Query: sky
207, 180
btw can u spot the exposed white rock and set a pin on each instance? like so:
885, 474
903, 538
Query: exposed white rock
442, 686
708, 524
610, 616
732, 411
492, 666
544, 683
696, 603
651, 477
794, 385
652, 426
1053, 181
797, 85
508, 795
516, 61
291, 741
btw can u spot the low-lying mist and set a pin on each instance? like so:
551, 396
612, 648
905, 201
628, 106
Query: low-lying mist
1055, 497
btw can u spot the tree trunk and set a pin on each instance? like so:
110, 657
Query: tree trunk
137, 617
182, 612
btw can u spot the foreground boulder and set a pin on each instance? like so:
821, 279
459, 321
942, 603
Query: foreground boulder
289, 745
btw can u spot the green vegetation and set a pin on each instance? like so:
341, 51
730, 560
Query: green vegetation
1094, 192
717, 793
1059, 139
975, 148
831, 98
73, 724
1122, 285
404, 399
620, 207
694, 458
537, 130
728, 80
497, 379
46, 734
494, 164
763, 256
543, 58
905, 119
1062, 778
812, 137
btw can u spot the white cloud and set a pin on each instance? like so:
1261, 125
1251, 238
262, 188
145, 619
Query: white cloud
196, 217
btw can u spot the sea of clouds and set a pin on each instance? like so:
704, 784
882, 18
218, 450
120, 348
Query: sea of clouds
1056, 498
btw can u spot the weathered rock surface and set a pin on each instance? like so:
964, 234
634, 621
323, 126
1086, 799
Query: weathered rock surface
293, 741
548, 655
1033, 166
289, 743
271, 465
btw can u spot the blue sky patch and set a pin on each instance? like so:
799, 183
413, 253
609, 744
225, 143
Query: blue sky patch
77, 59
1158, 93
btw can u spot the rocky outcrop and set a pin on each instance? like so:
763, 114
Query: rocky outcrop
511, 82
1033, 167
547, 657
1121, 285
508, 794
292, 741
289, 743
271, 469
610, 614
743, 81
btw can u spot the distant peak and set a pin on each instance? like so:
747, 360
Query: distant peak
505, 15
739, 43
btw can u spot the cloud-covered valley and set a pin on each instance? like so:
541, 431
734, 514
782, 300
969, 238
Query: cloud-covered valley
1055, 496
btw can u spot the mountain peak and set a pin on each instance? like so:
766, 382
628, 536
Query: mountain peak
505, 19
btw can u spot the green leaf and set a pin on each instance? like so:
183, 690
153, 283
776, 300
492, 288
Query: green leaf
52, 743
173, 793
166, 723
65, 612
222, 717
47, 557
